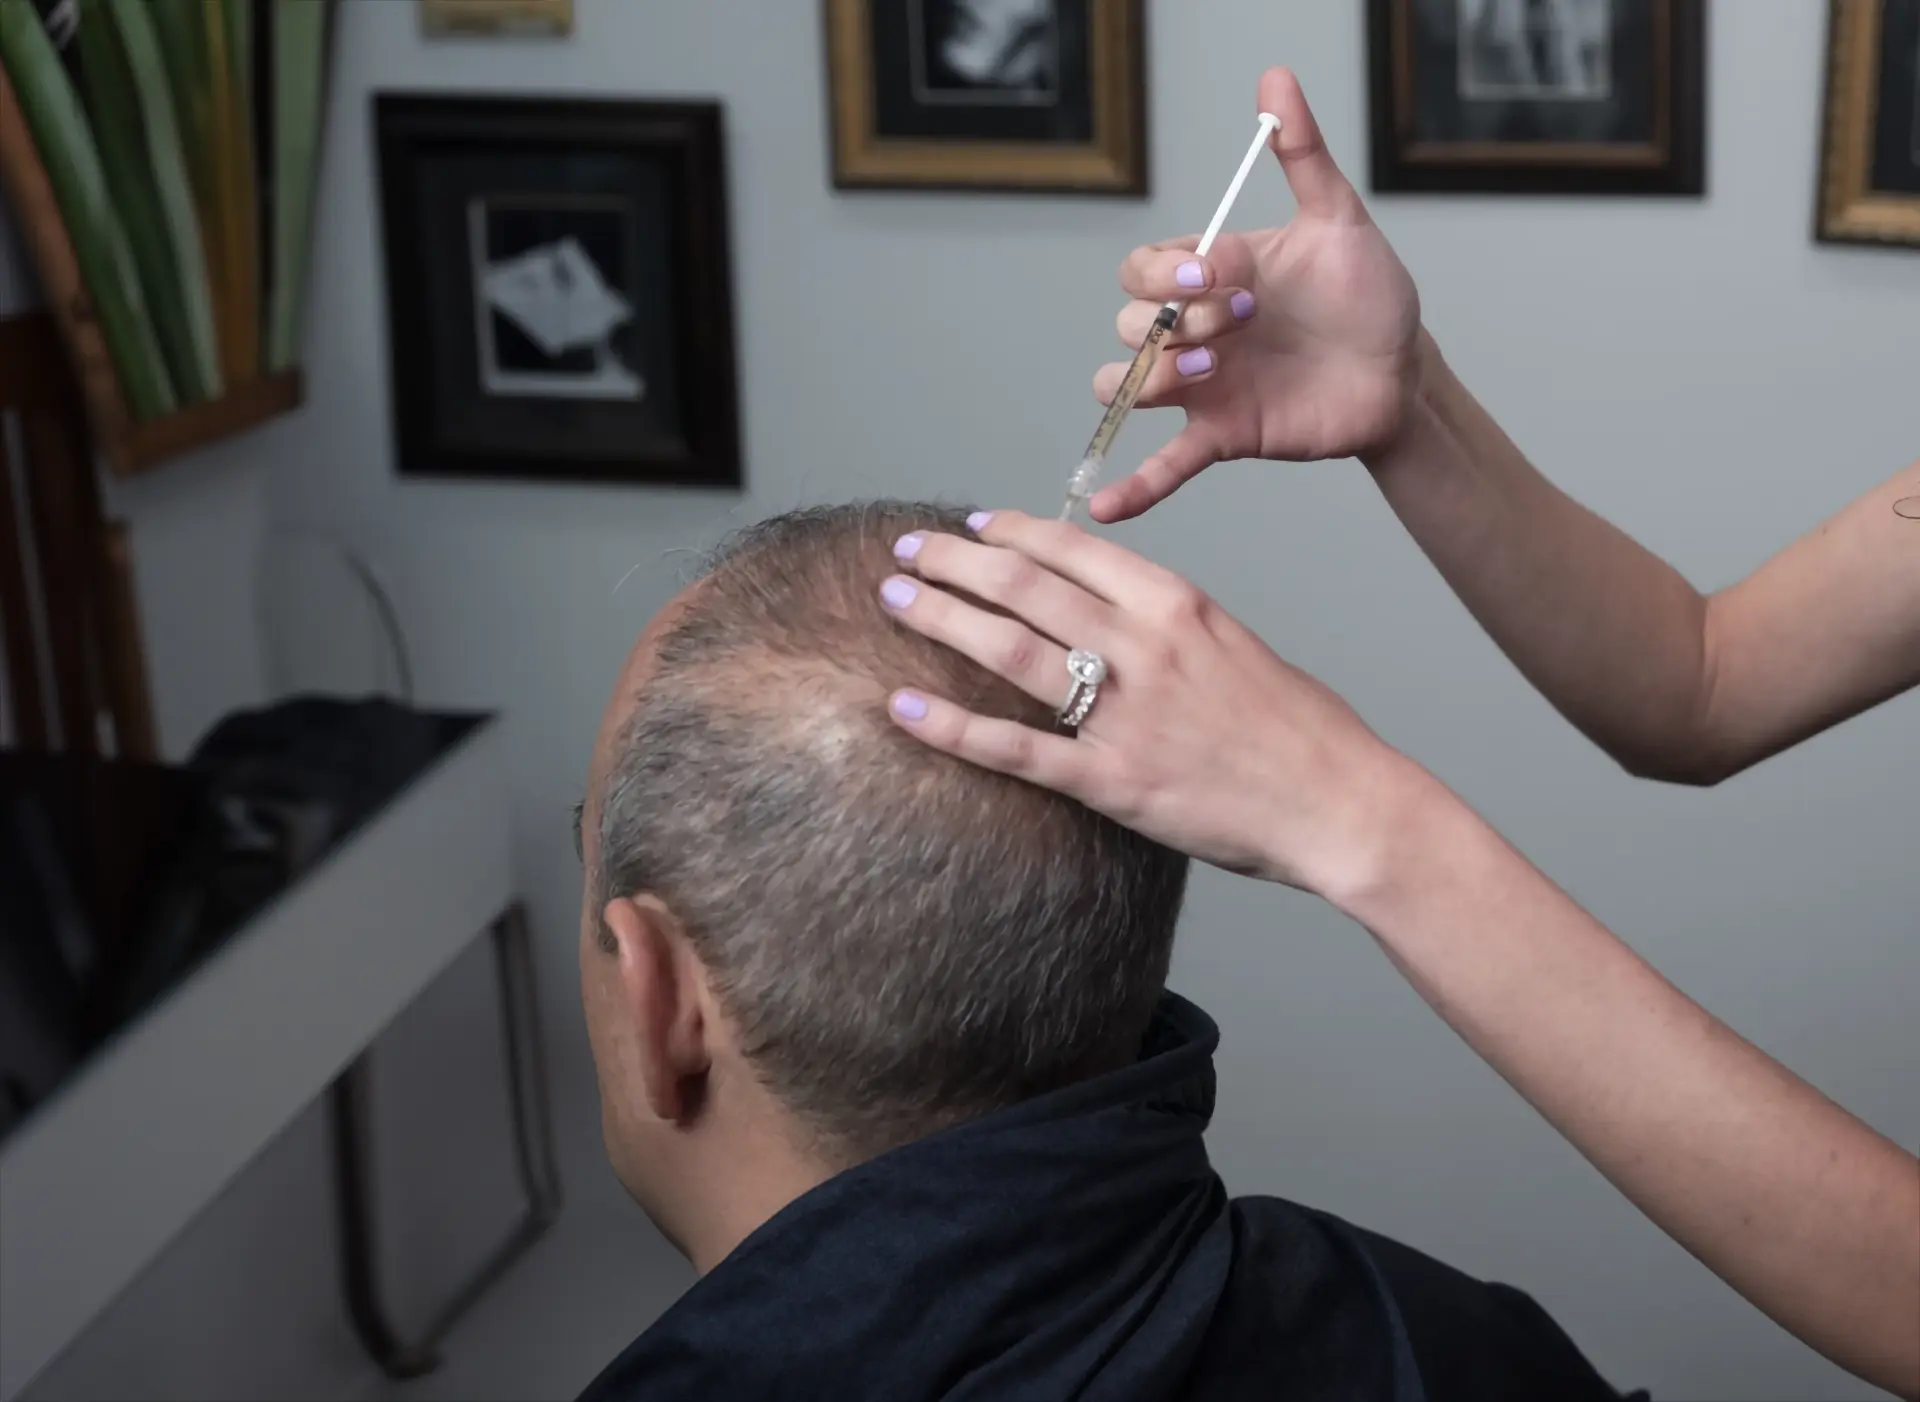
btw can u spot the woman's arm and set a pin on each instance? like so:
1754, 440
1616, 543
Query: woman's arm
1672, 684
1204, 739
1800, 1207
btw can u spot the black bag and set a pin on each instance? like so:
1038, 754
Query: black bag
284, 785
116, 879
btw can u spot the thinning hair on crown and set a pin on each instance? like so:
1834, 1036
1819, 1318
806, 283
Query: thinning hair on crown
903, 940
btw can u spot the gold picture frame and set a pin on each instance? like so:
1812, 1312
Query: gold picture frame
1076, 128
499, 18
1855, 205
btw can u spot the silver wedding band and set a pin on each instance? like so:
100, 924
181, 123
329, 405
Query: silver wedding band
1087, 670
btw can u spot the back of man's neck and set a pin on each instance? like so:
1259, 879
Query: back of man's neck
760, 1175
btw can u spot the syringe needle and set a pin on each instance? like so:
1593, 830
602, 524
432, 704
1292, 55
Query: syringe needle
1080, 485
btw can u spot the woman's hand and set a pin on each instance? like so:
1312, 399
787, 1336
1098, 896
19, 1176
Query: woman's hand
1299, 343
1201, 737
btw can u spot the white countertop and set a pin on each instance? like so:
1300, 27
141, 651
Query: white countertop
110, 1169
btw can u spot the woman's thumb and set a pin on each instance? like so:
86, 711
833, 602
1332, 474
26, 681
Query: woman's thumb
1317, 184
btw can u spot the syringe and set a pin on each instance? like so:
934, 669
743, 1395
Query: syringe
1080, 485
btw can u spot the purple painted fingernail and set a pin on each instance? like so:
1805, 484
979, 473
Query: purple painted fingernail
978, 521
909, 545
1242, 305
1197, 361
898, 592
907, 706
1190, 275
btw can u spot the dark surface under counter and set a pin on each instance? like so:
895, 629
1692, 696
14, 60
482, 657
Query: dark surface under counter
119, 879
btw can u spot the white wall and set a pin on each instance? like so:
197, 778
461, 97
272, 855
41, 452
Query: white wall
1699, 371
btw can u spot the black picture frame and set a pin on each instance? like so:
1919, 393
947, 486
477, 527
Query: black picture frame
638, 186
1646, 136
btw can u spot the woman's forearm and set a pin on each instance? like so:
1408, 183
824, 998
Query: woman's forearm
1611, 634
1801, 1207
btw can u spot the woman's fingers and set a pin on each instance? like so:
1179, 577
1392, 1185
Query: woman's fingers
1176, 271
1056, 762
1161, 272
1191, 453
1056, 607
1110, 571
1204, 319
1005, 646
1177, 368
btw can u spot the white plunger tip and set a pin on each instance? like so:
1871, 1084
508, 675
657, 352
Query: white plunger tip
1269, 121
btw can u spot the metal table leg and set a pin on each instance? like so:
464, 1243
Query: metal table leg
533, 1151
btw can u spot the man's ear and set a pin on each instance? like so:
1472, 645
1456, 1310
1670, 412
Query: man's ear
663, 987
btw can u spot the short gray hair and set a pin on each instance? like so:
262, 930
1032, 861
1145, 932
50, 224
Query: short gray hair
903, 940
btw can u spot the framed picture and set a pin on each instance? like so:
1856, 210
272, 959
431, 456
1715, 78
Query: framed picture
442, 18
559, 289
1034, 95
1870, 162
1539, 97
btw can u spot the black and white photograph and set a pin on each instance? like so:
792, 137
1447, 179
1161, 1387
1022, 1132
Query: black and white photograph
993, 53
559, 289
1538, 96
982, 70
1557, 49
549, 313
1870, 149
1912, 77
987, 94
1896, 163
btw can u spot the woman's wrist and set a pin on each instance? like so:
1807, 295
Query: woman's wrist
1414, 834
1421, 430
1397, 812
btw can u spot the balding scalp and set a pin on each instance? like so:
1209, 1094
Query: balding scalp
903, 940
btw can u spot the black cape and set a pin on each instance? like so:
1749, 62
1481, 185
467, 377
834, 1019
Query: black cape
1080, 1246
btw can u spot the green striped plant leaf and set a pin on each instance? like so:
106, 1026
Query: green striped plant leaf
299, 38
67, 150
238, 17
113, 105
172, 182
177, 25
235, 274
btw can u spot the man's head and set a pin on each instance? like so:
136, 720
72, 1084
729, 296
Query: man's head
800, 922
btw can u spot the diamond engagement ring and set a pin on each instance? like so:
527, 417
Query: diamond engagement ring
1088, 670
